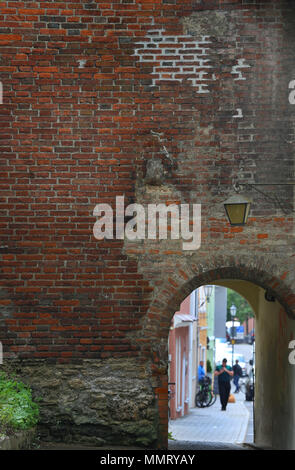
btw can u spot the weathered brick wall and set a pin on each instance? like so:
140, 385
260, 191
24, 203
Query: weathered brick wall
85, 86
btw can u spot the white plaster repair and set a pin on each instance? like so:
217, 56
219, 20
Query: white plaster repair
177, 58
237, 69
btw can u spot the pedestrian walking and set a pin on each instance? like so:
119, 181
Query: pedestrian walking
224, 374
237, 370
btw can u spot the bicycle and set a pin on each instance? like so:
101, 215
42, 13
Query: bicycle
205, 396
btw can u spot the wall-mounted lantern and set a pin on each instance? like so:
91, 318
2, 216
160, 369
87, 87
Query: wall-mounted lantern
237, 209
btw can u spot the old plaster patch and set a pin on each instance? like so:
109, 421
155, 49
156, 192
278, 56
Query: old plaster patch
215, 24
191, 56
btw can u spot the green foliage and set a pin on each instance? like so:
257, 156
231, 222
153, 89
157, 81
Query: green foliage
244, 310
17, 409
209, 367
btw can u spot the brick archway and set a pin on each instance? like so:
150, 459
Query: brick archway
92, 113
273, 278
191, 274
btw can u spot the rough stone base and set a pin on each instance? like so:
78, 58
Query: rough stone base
93, 401
20, 441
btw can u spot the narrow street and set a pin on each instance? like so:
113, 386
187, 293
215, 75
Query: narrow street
210, 428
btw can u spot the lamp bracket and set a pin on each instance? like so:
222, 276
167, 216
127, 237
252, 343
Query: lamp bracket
240, 185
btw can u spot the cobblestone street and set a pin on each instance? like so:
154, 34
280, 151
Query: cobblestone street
205, 428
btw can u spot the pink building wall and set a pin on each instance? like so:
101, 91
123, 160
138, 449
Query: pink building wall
251, 325
181, 336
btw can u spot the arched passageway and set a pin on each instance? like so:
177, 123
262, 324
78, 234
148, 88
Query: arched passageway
91, 115
275, 375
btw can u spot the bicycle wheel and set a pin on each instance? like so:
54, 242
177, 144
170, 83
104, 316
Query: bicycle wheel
212, 400
202, 399
199, 399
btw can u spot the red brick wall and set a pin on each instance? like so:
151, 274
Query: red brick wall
81, 97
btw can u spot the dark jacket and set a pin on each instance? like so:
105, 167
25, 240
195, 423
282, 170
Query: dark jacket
237, 370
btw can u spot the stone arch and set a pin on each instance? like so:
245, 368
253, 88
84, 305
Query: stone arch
266, 277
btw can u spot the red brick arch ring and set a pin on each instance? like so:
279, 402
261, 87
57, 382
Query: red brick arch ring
188, 275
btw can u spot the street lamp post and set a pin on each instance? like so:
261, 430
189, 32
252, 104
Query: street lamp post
233, 311
208, 292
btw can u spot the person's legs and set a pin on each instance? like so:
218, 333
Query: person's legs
236, 382
226, 393
222, 392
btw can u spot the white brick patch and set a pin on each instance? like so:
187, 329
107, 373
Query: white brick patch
239, 113
82, 63
237, 69
177, 58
